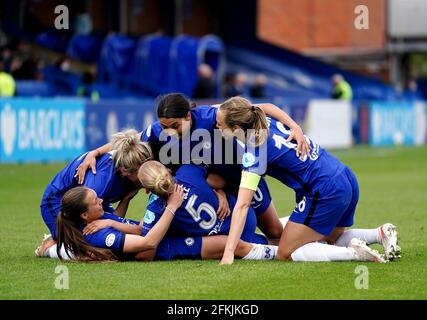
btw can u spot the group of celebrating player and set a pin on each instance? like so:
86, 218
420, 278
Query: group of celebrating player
206, 200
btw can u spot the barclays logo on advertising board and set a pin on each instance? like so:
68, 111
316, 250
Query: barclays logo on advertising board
50, 129
41, 130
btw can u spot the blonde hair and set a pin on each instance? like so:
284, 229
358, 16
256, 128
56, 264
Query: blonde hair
155, 177
129, 152
240, 112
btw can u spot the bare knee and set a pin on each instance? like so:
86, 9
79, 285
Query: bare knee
284, 254
242, 249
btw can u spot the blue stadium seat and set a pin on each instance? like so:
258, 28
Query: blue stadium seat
53, 40
187, 53
63, 83
305, 73
116, 60
85, 47
151, 72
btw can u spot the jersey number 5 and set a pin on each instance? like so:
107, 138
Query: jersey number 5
197, 213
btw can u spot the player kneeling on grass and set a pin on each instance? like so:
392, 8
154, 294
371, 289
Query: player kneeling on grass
90, 234
326, 190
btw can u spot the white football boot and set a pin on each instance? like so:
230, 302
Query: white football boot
363, 253
388, 238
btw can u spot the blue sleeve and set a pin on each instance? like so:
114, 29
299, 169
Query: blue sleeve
254, 160
155, 208
205, 117
108, 238
152, 133
208, 113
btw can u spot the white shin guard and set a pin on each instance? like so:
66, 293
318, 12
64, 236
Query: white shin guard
320, 252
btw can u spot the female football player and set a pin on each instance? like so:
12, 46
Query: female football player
326, 190
115, 180
90, 234
177, 116
197, 215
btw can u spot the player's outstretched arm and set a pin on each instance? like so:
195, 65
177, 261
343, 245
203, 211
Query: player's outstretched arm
134, 243
303, 148
238, 220
90, 160
97, 225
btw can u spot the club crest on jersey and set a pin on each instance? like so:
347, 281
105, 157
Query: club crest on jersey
248, 160
149, 217
153, 197
109, 241
189, 241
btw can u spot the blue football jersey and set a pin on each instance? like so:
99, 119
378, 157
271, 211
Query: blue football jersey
219, 155
109, 238
107, 183
277, 158
197, 216
187, 149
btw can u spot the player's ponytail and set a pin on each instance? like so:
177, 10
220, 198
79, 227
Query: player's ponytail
156, 178
173, 105
129, 151
69, 234
239, 112
260, 125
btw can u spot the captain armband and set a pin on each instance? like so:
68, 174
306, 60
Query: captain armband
249, 180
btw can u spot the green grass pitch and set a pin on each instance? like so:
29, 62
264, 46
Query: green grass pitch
393, 183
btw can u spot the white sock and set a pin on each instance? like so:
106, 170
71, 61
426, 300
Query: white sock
261, 252
368, 235
284, 221
51, 253
316, 252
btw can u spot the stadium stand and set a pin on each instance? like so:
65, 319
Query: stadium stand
85, 47
187, 53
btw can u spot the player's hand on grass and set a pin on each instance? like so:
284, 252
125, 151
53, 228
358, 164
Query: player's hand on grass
176, 198
89, 161
97, 225
227, 258
223, 208
303, 148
